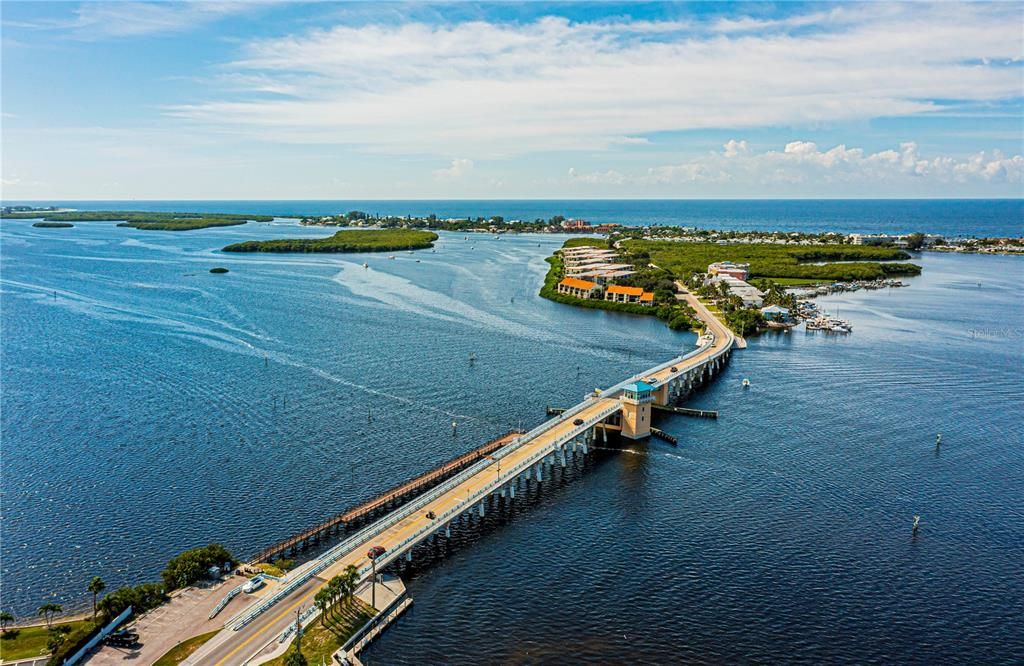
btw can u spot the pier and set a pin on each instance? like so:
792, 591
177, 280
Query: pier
388, 499
522, 461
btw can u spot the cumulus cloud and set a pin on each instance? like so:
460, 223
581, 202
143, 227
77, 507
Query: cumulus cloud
487, 89
610, 177
455, 171
805, 162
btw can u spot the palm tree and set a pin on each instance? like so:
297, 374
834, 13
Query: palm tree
5, 619
323, 602
48, 611
334, 586
351, 579
96, 585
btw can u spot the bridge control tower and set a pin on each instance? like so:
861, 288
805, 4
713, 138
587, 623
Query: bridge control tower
636, 410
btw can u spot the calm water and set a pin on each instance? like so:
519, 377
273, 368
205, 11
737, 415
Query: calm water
151, 406
949, 217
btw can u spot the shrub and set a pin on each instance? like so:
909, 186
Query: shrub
72, 642
192, 565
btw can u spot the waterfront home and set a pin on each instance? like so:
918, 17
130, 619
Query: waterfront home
738, 271
619, 294
579, 288
775, 313
597, 264
605, 276
751, 296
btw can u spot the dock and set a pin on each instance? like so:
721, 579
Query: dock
385, 500
491, 483
685, 411
664, 436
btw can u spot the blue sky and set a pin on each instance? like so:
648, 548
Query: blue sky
278, 100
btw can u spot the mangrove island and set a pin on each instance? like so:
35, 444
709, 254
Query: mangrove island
369, 240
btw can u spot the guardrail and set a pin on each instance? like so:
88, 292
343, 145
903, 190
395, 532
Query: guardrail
396, 551
373, 622
331, 556
226, 600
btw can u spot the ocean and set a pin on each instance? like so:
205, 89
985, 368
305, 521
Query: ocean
149, 406
945, 217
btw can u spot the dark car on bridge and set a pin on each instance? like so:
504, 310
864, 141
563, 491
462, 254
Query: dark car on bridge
674, 369
578, 422
376, 552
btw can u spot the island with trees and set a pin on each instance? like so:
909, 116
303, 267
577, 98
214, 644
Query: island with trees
657, 267
53, 225
139, 219
359, 240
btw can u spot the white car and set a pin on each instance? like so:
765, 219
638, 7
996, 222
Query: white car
254, 584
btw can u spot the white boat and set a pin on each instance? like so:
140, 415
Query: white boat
746, 383
366, 265
391, 257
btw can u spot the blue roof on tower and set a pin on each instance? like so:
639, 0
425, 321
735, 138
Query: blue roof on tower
638, 387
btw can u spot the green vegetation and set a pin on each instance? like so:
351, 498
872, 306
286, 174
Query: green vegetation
96, 586
370, 240
491, 223
779, 261
50, 611
342, 614
677, 315
277, 568
143, 220
184, 650
218, 270
193, 564
141, 598
67, 640
53, 225
25, 642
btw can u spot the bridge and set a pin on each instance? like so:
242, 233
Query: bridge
625, 407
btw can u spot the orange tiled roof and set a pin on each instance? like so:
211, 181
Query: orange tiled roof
647, 296
574, 283
628, 291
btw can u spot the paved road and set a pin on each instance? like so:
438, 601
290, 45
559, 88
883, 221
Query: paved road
235, 647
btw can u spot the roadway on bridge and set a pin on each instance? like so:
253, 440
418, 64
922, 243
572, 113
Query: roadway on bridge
236, 647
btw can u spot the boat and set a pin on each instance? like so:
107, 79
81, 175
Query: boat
366, 265
391, 257
746, 383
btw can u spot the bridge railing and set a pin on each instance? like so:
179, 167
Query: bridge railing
331, 556
397, 551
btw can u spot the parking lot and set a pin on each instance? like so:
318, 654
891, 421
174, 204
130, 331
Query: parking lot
184, 616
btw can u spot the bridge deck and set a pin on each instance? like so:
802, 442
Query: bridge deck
401, 490
402, 529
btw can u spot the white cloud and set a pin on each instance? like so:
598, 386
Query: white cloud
493, 90
100, 19
610, 177
734, 148
458, 169
804, 161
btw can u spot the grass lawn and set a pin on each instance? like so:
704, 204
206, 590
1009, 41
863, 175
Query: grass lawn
183, 650
320, 641
31, 641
